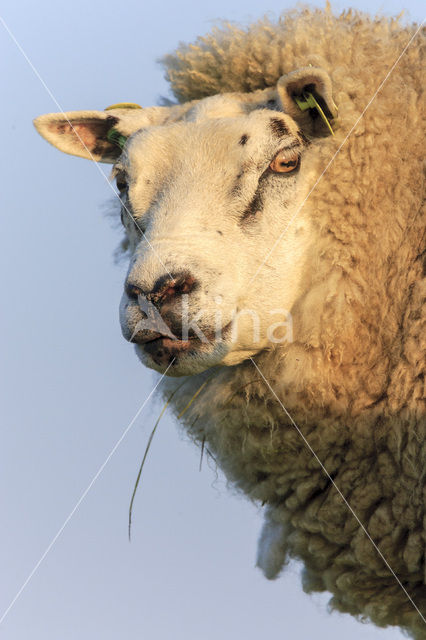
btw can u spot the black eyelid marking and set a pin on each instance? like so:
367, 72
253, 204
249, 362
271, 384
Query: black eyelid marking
278, 127
243, 140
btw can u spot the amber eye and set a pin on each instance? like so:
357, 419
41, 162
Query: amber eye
285, 162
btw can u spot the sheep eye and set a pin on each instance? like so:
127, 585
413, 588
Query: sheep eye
284, 162
122, 183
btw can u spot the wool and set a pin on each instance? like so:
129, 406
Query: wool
326, 430
353, 378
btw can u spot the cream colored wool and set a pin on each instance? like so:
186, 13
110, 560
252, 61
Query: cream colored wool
353, 379
353, 277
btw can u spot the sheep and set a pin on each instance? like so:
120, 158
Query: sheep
242, 199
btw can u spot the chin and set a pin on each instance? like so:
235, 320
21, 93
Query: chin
181, 358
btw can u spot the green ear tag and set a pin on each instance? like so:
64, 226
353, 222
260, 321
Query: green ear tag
307, 101
116, 137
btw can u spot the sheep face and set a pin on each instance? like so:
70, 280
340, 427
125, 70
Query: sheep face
207, 189
204, 202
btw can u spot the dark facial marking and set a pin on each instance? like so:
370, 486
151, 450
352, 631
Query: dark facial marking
243, 139
253, 208
219, 232
278, 127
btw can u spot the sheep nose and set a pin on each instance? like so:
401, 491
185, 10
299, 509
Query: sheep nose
165, 289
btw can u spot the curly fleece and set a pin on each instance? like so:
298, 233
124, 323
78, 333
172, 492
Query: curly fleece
353, 379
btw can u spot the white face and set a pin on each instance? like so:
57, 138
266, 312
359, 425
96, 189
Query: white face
206, 199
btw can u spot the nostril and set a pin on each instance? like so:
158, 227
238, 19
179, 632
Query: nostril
179, 284
185, 286
133, 291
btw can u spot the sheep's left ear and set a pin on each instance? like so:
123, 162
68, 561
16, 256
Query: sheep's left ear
306, 96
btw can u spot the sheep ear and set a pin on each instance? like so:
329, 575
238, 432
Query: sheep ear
97, 135
306, 96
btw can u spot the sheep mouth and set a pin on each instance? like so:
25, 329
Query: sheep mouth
169, 344
164, 349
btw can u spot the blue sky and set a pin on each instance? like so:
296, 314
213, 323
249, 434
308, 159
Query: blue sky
71, 385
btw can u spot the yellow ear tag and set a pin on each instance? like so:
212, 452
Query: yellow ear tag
123, 105
309, 102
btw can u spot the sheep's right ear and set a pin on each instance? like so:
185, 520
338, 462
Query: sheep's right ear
97, 135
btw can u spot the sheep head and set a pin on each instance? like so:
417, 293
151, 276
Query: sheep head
197, 181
